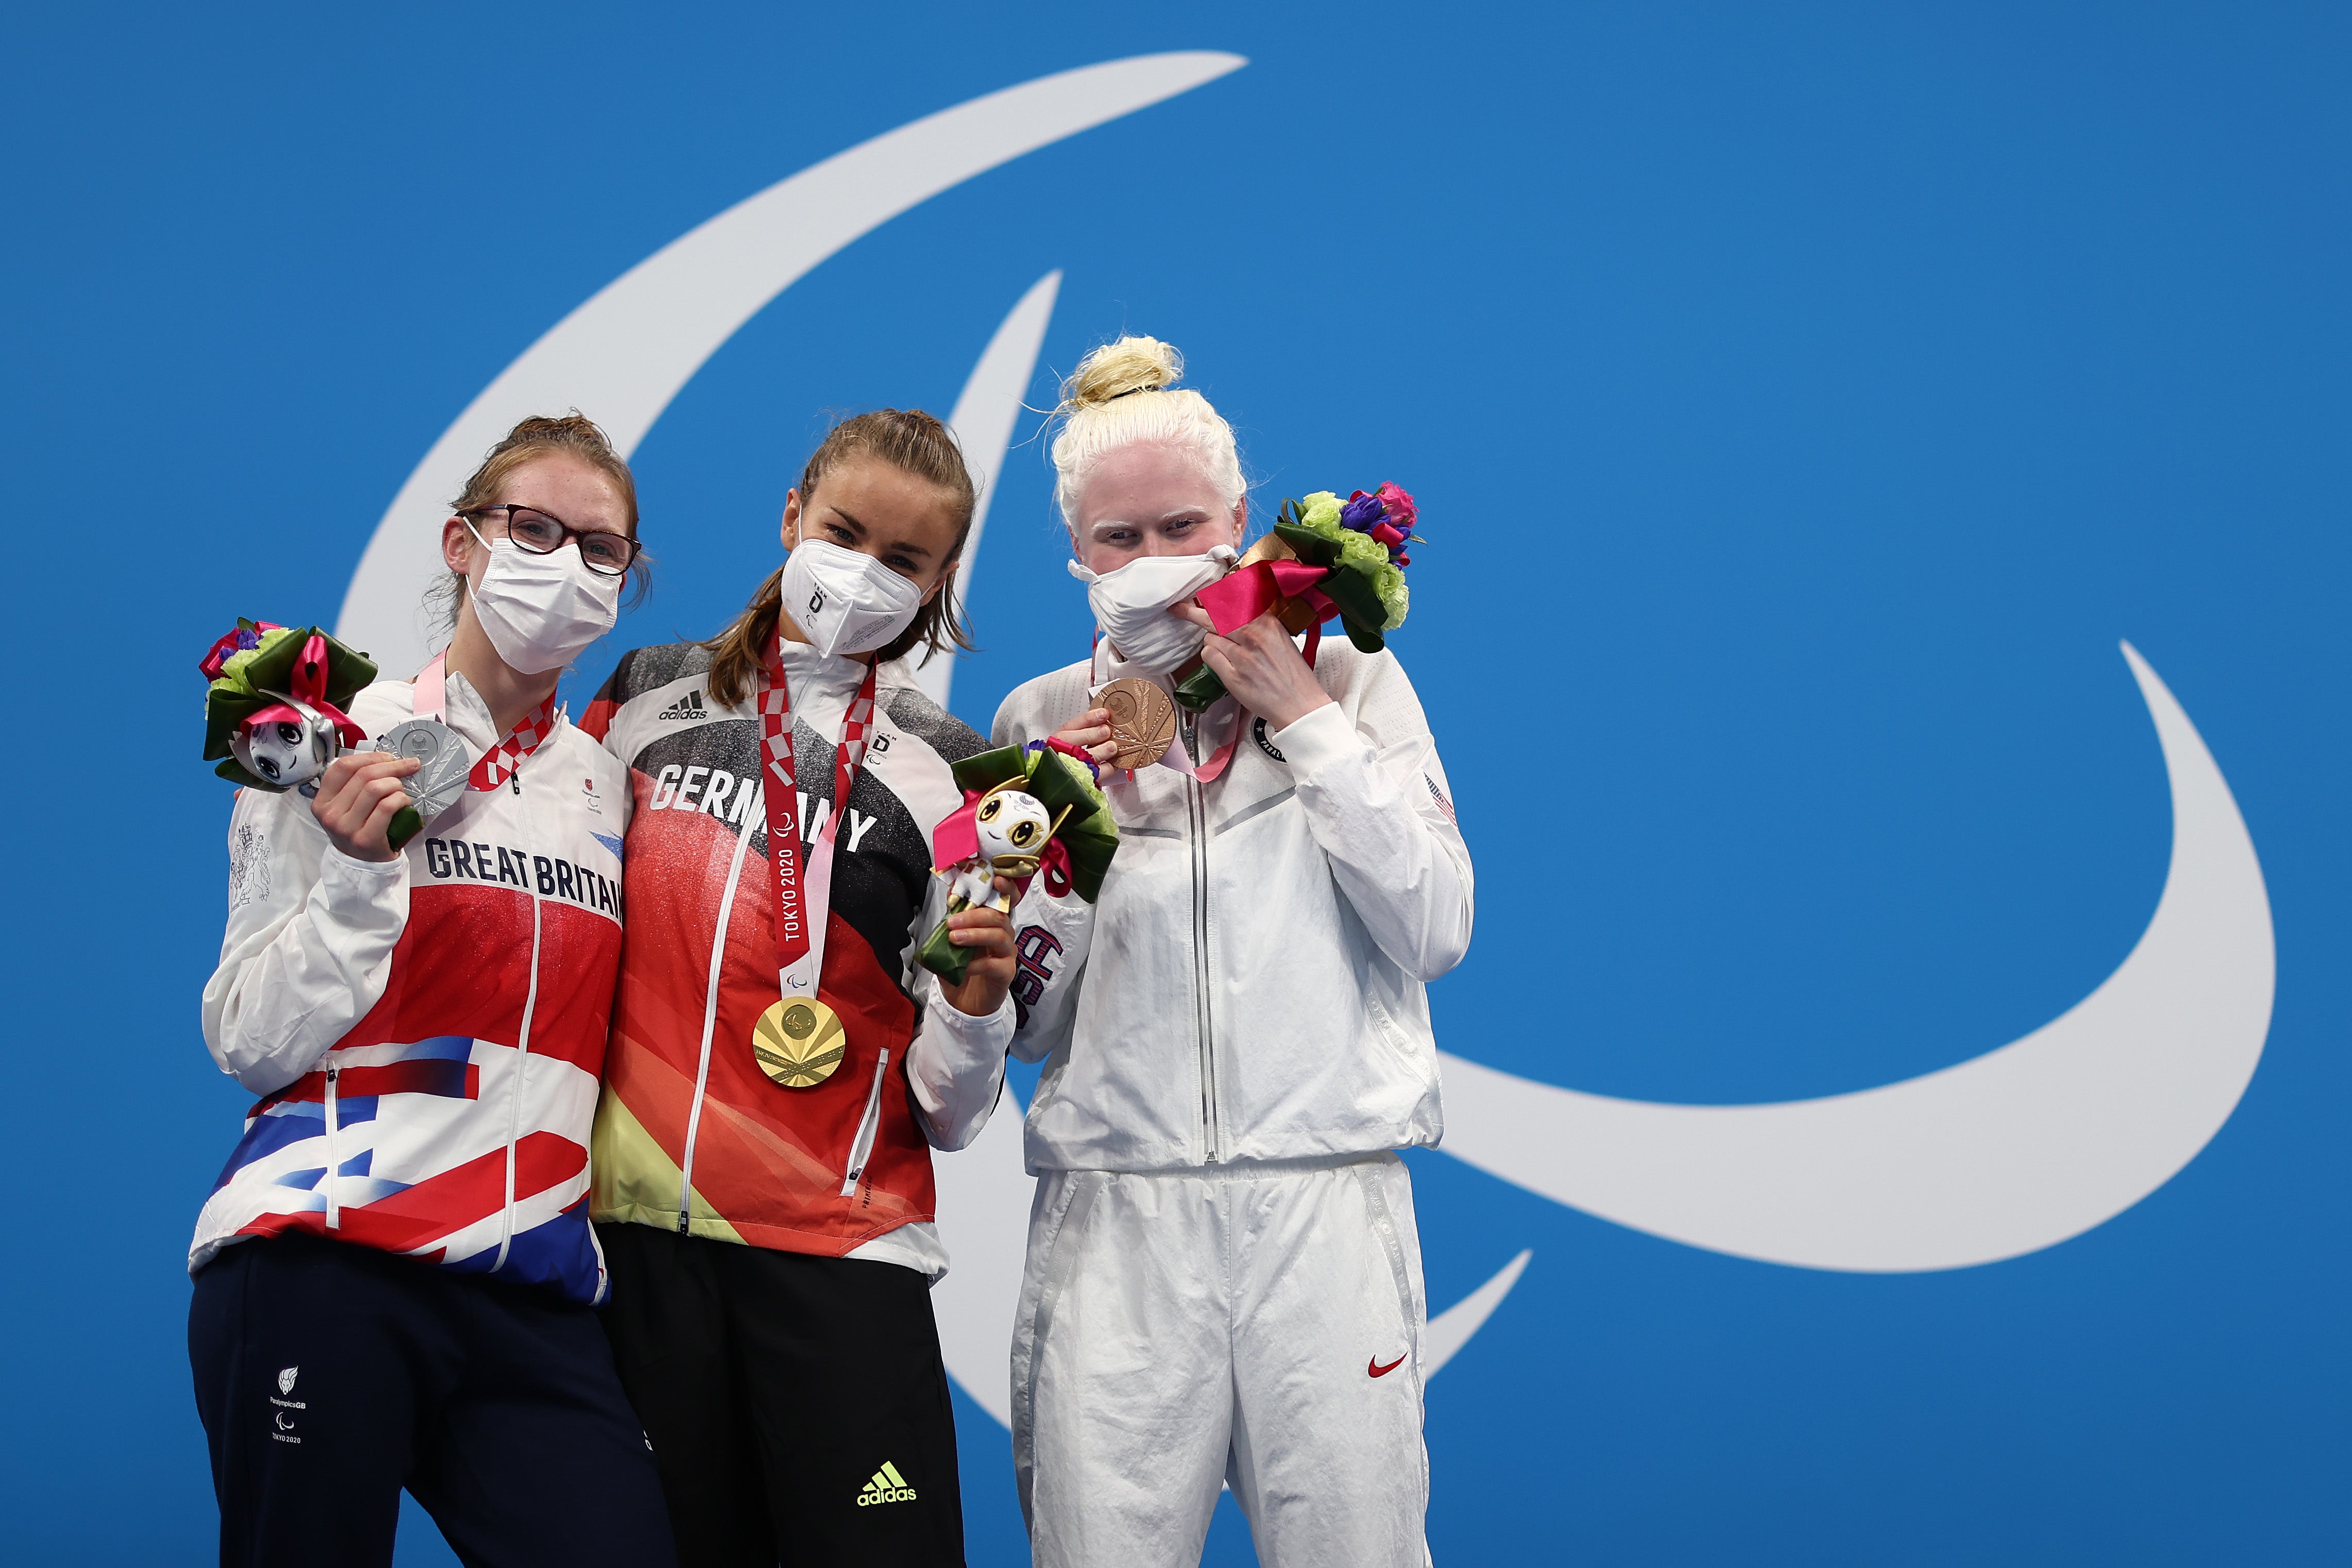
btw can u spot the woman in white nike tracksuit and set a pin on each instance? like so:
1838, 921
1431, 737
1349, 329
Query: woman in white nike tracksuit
1224, 1276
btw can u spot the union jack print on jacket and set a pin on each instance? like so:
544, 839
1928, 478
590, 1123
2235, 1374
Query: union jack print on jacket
426, 1034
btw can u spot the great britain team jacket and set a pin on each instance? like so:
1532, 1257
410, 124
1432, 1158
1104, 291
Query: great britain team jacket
425, 1033
692, 1137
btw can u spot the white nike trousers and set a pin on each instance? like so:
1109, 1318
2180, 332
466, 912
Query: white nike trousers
1255, 1325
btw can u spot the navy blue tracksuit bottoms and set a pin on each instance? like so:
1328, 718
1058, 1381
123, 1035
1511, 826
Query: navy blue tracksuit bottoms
329, 1375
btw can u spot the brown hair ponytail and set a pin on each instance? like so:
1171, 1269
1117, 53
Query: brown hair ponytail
912, 441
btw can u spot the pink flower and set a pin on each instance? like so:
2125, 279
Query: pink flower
1398, 505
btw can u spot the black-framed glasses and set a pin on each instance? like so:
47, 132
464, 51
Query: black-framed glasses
602, 551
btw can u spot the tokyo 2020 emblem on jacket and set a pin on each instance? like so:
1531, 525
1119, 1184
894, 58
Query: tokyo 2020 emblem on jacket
425, 1033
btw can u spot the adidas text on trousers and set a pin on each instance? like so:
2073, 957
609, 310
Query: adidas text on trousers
1258, 1324
797, 1404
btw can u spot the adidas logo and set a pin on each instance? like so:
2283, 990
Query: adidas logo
888, 1486
687, 706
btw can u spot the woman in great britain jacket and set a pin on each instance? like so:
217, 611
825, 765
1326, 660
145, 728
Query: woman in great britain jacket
396, 1275
768, 1215
1223, 1277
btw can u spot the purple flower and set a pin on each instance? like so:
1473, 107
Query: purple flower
1362, 512
236, 641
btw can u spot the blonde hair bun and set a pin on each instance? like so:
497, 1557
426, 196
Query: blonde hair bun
1097, 418
1115, 370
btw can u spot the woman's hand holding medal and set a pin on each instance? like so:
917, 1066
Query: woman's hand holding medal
988, 935
1261, 666
358, 797
1090, 732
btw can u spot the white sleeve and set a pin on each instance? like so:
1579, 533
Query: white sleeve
955, 1067
1377, 802
955, 1063
308, 947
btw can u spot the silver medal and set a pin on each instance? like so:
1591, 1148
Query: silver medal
434, 786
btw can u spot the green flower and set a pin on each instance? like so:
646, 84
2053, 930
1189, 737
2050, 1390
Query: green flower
1389, 583
233, 667
1321, 511
1361, 552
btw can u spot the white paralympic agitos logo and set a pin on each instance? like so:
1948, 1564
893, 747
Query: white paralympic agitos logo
2015, 1150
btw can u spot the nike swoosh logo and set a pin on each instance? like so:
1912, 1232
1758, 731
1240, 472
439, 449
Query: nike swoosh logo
1374, 1367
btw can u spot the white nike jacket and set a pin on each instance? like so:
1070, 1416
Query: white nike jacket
1251, 983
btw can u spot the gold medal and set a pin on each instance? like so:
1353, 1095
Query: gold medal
1142, 720
799, 1043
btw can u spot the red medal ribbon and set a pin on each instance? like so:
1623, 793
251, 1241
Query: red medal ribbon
502, 761
801, 910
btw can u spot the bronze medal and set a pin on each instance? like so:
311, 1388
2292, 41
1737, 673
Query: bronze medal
1142, 720
799, 1043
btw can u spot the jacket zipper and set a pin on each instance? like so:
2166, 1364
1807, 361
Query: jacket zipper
863, 1149
514, 1098
334, 1153
1196, 812
709, 1026
522, 1062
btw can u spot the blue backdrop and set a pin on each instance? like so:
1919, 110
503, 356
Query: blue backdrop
1802, 404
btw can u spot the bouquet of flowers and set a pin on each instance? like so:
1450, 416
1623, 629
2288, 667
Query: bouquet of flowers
274, 711
1326, 556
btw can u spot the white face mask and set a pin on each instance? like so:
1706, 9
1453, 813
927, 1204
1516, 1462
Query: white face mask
541, 612
1130, 604
844, 601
